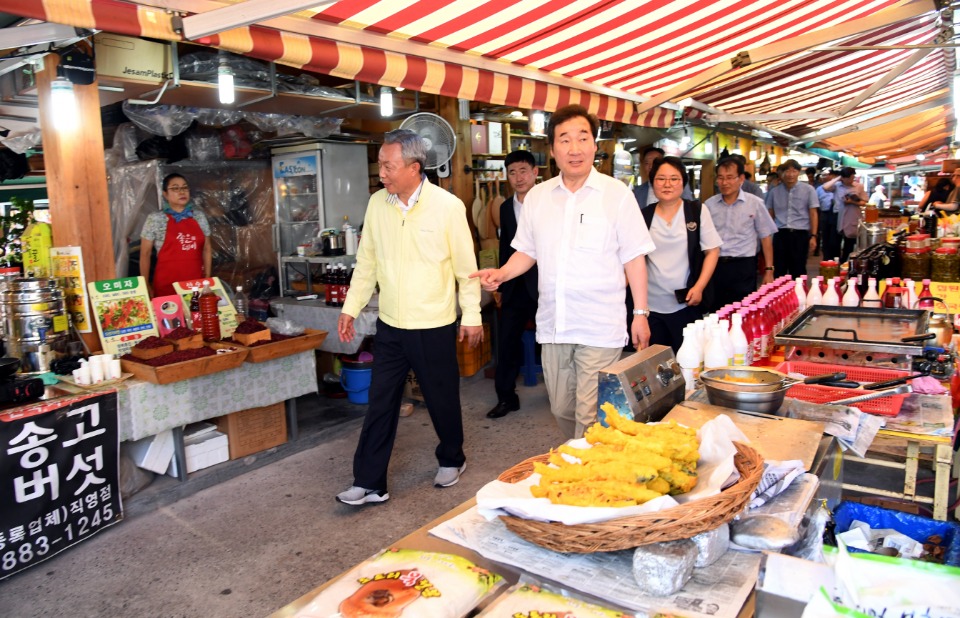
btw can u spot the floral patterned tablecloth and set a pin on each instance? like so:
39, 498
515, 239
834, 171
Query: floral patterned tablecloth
147, 409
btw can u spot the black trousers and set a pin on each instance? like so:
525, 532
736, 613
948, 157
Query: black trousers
733, 279
790, 250
519, 309
667, 328
432, 354
830, 246
846, 246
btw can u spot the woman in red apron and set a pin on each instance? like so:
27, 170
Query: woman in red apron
179, 232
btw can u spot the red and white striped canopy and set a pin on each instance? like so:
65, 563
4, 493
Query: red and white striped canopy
630, 60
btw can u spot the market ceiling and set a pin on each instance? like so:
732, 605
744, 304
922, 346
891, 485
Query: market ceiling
805, 71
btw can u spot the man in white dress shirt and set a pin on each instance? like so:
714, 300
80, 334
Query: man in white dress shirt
585, 232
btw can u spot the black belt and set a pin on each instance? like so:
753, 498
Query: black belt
736, 259
793, 230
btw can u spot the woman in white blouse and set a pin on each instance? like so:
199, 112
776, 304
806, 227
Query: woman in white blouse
678, 276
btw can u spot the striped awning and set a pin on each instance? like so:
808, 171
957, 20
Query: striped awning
629, 61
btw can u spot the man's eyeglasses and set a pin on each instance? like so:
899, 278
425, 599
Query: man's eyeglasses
178, 189
668, 181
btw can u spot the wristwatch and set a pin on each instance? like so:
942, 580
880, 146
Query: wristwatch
769, 268
643, 312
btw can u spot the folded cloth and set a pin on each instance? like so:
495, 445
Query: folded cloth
928, 385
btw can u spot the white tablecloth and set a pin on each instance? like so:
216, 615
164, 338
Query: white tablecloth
147, 409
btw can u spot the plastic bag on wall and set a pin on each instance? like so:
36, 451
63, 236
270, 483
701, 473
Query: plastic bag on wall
165, 120
133, 195
204, 145
218, 117
22, 141
202, 66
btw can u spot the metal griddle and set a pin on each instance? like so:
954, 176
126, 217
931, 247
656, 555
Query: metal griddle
854, 334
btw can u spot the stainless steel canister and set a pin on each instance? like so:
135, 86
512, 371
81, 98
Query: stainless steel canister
35, 323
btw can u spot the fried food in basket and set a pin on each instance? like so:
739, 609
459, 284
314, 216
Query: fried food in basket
628, 463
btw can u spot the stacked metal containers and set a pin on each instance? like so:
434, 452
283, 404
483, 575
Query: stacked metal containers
34, 321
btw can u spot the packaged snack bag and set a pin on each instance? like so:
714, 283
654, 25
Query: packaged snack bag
526, 600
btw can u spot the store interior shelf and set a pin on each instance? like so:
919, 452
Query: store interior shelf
315, 259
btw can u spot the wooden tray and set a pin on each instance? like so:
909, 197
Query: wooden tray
309, 340
186, 370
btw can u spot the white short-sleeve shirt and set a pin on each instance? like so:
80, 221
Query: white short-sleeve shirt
668, 267
581, 242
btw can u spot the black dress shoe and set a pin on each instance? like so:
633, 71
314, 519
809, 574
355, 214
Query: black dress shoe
502, 409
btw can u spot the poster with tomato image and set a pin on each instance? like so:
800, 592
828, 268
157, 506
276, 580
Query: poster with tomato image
122, 311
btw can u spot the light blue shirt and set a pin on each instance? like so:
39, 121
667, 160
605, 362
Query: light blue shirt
826, 199
791, 208
740, 224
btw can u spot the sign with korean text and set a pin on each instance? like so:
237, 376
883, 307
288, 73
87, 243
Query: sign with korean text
67, 265
59, 477
122, 311
225, 309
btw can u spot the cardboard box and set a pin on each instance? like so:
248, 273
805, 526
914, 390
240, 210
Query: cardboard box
478, 139
153, 453
254, 430
495, 137
132, 59
472, 360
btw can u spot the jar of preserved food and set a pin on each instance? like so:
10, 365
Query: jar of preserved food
915, 263
829, 269
945, 265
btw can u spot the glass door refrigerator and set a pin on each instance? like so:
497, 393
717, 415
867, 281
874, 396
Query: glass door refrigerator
298, 190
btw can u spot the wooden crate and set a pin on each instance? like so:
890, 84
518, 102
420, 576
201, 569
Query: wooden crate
175, 372
254, 430
309, 340
472, 360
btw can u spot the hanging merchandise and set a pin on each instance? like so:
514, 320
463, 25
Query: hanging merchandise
66, 264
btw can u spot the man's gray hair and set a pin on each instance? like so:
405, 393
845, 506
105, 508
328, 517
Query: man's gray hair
412, 146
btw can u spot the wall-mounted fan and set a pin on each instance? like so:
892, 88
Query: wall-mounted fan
439, 137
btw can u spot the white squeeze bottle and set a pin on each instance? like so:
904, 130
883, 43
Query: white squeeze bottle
727, 343
716, 354
689, 357
830, 297
871, 298
738, 340
851, 298
814, 297
801, 295
911, 288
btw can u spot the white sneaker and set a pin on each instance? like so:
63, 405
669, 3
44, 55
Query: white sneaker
355, 496
448, 476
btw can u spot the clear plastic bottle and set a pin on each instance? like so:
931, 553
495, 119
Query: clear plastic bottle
689, 357
800, 294
830, 297
716, 354
241, 304
814, 296
209, 316
738, 339
911, 293
851, 298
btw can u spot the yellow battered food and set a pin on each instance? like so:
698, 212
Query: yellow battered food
629, 463
741, 379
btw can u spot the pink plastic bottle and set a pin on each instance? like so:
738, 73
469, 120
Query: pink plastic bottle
766, 320
924, 293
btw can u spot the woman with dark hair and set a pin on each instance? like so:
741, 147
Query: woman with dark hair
180, 233
688, 248
938, 193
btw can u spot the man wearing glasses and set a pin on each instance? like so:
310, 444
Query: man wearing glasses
794, 207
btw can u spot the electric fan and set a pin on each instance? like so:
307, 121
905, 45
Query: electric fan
439, 138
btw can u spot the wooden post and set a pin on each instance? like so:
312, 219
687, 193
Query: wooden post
461, 183
77, 180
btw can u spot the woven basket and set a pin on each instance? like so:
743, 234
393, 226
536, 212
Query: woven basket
679, 522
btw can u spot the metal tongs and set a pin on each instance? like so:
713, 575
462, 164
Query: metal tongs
899, 390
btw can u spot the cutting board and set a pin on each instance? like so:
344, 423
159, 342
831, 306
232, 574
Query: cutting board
774, 437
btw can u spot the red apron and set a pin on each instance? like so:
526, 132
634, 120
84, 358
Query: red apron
181, 256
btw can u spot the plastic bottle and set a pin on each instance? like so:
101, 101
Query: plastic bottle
814, 296
209, 317
195, 309
715, 355
725, 339
911, 293
689, 358
851, 298
766, 334
344, 283
871, 298
748, 333
240, 304
334, 286
755, 336
35, 243
893, 294
925, 293
800, 294
738, 339
830, 297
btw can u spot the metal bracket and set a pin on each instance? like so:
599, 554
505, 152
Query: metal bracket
171, 83
273, 88
741, 60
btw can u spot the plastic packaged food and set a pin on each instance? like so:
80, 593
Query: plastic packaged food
529, 600
663, 568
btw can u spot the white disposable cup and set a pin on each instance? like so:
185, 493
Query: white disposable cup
82, 375
115, 371
96, 372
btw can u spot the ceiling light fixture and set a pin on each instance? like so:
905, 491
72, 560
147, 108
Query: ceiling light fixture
386, 101
63, 104
225, 87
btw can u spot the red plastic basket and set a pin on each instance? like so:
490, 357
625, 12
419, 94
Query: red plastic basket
865, 375
815, 393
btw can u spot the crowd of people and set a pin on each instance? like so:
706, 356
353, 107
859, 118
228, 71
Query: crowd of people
596, 266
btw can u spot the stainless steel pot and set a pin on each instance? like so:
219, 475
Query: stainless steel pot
333, 244
35, 322
730, 396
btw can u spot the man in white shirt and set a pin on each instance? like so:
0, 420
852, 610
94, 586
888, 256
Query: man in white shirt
585, 232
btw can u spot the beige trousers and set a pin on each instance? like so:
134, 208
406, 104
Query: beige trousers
570, 373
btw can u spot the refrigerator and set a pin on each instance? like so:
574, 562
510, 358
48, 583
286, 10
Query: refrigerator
315, 186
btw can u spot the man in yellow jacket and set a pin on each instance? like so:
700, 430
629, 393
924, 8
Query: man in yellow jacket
417, 246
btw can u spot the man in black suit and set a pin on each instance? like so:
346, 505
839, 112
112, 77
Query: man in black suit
518, 298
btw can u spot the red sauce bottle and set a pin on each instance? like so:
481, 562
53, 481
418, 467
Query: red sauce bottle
209, 316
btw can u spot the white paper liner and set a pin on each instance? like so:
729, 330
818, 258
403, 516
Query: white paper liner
715, 470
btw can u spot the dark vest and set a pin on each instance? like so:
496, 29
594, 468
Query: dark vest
508, 229
691, 213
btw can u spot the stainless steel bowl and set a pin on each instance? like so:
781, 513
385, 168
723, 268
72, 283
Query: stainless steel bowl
730, 396
761, 380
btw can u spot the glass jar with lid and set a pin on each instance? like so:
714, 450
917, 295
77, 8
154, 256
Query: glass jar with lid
829, 269
915, 263
945, 265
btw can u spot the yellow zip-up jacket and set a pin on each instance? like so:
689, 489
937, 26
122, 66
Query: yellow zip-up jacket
418, 258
